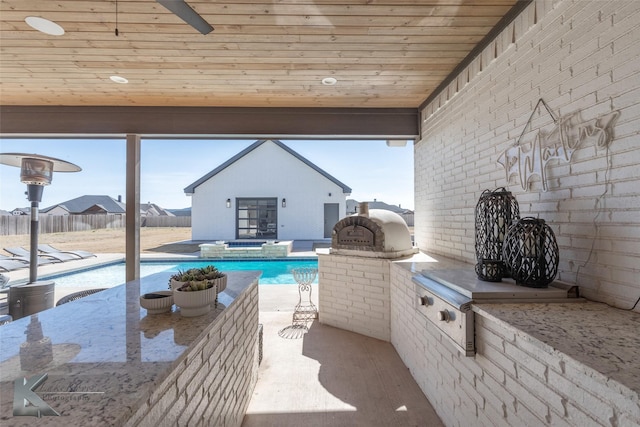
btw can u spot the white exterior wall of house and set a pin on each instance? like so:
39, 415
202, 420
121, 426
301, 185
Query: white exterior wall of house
267, 171
581, 57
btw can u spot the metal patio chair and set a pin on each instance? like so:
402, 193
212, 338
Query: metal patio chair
305, 310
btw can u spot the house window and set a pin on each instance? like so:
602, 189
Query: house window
257, 218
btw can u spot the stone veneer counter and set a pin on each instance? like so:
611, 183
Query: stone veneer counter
602, 338
110, 363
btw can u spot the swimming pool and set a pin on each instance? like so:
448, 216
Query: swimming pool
107, 276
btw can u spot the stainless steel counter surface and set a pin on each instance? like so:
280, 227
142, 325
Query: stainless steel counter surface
102, 355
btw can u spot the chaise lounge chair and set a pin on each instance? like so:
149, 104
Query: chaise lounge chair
22, 252
10, 264
48, 249
25, 260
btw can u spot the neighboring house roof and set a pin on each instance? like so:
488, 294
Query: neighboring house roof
21, 211
353, 204
181, 212
191, 188
95, 209
151, 209
91, 204
57, 208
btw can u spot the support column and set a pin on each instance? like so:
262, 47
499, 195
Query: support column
133, 248
133, 208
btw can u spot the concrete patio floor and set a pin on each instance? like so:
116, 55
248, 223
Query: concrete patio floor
328, 376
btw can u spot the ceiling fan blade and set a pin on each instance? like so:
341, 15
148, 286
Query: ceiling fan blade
187, 14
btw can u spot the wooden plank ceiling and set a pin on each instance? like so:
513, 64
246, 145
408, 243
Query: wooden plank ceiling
383, 53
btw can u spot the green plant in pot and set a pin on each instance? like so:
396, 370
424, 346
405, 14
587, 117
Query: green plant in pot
196, 289
208, 274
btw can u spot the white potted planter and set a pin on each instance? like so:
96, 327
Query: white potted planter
157, 302
194, 303
196, 290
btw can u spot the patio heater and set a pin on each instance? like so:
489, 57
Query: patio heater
36, 171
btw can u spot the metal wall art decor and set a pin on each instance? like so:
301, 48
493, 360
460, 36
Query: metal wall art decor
495, 212
530, 251
529, 160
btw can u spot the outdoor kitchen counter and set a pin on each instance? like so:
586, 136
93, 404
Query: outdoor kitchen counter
602, 340
105, 357
595, 335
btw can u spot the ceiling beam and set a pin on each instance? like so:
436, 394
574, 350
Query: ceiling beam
195, 122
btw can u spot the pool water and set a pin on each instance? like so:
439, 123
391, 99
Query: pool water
273, 272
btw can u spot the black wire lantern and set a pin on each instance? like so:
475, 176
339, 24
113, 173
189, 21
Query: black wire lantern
531, 253
495, 212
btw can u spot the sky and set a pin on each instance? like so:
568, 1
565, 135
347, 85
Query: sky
371, 168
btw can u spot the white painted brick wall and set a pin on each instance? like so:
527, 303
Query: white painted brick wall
579, 56
513, 379
212, 385
353, 294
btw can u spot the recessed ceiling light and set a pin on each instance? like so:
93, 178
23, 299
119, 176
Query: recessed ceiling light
119, 79
44, 25
329, 81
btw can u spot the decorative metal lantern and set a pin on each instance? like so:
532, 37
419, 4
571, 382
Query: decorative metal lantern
530, 251
495, 212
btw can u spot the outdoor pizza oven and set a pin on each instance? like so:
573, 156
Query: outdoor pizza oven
374, 233
354, 277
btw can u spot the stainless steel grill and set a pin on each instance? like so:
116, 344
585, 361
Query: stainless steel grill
444, 296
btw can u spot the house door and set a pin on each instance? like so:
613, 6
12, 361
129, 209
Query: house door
257, 218
331, 213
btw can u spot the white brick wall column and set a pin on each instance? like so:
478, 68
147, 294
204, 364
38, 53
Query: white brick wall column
354, 294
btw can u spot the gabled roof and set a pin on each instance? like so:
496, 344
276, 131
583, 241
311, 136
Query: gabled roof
62, 207
82, 203
151, 209
181, 212
191, 188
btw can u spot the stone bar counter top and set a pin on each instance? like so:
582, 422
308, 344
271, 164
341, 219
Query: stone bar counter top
602, 338
103, 355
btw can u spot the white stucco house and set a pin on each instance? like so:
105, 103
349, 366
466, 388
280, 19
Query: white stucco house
267, 191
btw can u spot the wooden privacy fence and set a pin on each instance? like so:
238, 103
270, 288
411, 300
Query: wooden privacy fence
165, 221
21, 224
